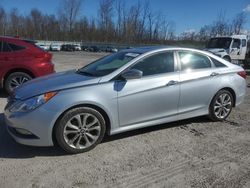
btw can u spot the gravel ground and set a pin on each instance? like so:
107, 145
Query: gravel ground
190, 153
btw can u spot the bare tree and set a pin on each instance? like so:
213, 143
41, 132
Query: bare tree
205, 33
145, 10
238, 22
116, 22
119, 11
220, 26
3, 20
105, 18
68, 12
37, 24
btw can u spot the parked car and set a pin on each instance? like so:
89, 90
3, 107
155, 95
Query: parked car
84, 48
20, 61
127, 90
111, 49
231, 48
43, 46
55, 47
77, 47
68, 47
94, 49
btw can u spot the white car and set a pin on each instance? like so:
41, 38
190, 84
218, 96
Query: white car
231, 48
55, 47
77, 47
43, 46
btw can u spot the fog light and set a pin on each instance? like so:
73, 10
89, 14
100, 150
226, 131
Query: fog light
23, 131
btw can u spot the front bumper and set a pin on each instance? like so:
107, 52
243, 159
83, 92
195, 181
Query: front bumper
37, 122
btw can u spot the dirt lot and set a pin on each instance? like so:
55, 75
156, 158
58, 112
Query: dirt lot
191, 153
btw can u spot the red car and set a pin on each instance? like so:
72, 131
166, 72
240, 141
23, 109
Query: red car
20, 61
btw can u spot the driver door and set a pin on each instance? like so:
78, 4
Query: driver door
154, 97
235, 49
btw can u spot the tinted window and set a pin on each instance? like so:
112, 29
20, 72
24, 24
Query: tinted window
4, 47
217, 63
15, 47
156, 64
191, 60
244, 42
219, 42
236, 43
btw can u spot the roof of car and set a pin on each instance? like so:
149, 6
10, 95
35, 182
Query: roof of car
146, 49
17, 38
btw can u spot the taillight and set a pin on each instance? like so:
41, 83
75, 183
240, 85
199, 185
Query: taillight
243, 74
48, 56
45, 56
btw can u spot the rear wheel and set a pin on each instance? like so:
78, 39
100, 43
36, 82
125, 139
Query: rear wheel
221, 106
14, 80
80, 130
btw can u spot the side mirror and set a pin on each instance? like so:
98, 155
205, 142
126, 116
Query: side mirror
132, 74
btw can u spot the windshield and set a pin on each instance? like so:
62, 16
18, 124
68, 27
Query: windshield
219, 43
108, 64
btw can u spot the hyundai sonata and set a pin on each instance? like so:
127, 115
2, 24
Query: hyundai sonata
127, 90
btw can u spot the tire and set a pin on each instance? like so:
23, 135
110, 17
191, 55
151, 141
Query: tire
14, 80
75, 136
221, 105
227, 58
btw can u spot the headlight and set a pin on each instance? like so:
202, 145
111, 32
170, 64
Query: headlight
32, 103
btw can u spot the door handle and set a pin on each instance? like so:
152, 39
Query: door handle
172, 82
214, 74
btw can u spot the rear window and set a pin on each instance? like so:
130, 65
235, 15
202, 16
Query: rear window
217, 63
244, 43
191, 60
9, 47
15, 47
4, 47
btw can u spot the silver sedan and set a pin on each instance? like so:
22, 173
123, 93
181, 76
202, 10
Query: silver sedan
127, 90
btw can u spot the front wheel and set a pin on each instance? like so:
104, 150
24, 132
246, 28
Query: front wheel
80, 130
227, 58
221, 106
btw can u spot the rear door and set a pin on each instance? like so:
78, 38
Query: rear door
243, 50
198, 83
155, 96
235, 49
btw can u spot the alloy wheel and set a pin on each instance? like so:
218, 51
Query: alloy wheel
223, 106
82, 131
17, 81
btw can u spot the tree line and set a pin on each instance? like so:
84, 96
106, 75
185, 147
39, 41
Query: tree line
116, 21
220, 27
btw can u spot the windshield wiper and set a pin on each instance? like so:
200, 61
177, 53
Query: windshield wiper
85, 73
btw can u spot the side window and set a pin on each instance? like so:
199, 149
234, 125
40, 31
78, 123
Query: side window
15, 47
217, 63
5, 47
236, 43
190, 60
244, 42
156, 64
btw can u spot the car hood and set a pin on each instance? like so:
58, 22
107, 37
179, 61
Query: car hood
53, 82
215, 50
